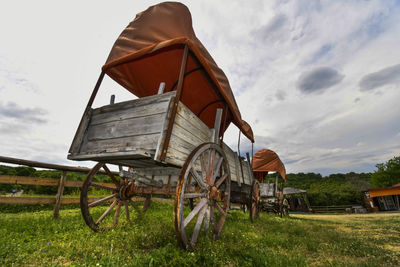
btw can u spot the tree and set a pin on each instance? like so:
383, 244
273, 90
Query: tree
387, 174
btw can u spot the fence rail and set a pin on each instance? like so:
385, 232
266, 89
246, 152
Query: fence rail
60, 183
25, 180
330, 209
65, 200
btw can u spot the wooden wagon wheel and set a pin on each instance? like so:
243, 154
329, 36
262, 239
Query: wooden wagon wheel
205, 178
284, 210
118, 196
254, 200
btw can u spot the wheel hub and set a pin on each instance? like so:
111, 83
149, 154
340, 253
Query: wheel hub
213, 192
126, 190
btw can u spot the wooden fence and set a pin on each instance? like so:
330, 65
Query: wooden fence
330, 209
60, 183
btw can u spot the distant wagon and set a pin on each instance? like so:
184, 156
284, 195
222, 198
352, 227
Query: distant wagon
271, 197
169, 141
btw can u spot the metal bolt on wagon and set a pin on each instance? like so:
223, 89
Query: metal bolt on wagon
168, 141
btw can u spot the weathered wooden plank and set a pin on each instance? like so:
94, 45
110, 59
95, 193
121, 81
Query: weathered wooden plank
179, 150
231, 156
65, 200
188, 132
59, 194
128, 113
40, 200
138, 163
187, 138
186, 124
125, 128
131, 143
163, 134
250, 178
246, 172
217, 125
44, 165
113, 156
144, 101
7, 179
80, 133
159, 171
161, 88
175, 157
188, 128
238, 172
188, 115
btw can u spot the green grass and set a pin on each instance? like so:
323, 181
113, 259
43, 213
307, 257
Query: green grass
35, 238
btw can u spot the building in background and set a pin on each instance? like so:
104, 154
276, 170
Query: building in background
383, 199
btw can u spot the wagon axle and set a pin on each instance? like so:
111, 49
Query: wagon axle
127, 189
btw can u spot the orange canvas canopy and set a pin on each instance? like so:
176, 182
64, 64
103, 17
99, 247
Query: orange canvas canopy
265, 161
150, 51
394, 190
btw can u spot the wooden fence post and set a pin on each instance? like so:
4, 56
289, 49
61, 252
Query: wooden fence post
59, 194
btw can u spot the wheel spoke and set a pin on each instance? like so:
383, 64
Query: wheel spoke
194, 195
97, 202
196, 210
220, 225
126, 210
203, 167
212, 218
210, 172
220, 209
133, 205
111, 175
216, 171
221, 180
206, 223
199, 181
106, 212
116, 216
146, 203
198, 225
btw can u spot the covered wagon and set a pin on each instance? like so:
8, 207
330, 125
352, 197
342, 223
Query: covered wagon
168, 141
271, 197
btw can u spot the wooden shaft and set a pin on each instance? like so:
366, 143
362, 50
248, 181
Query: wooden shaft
217, 124
161, 88
89, 104
96, 89
59, 194
224, 124
250, 167
46, 165
175, 105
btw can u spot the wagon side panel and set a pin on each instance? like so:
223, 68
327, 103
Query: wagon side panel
188, 132
247, 177
128, 129
232, 156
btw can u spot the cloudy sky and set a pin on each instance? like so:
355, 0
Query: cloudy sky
319, 81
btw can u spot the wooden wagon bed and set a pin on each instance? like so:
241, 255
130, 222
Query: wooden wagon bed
132, 133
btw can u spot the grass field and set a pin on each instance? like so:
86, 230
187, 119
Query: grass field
35, 238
